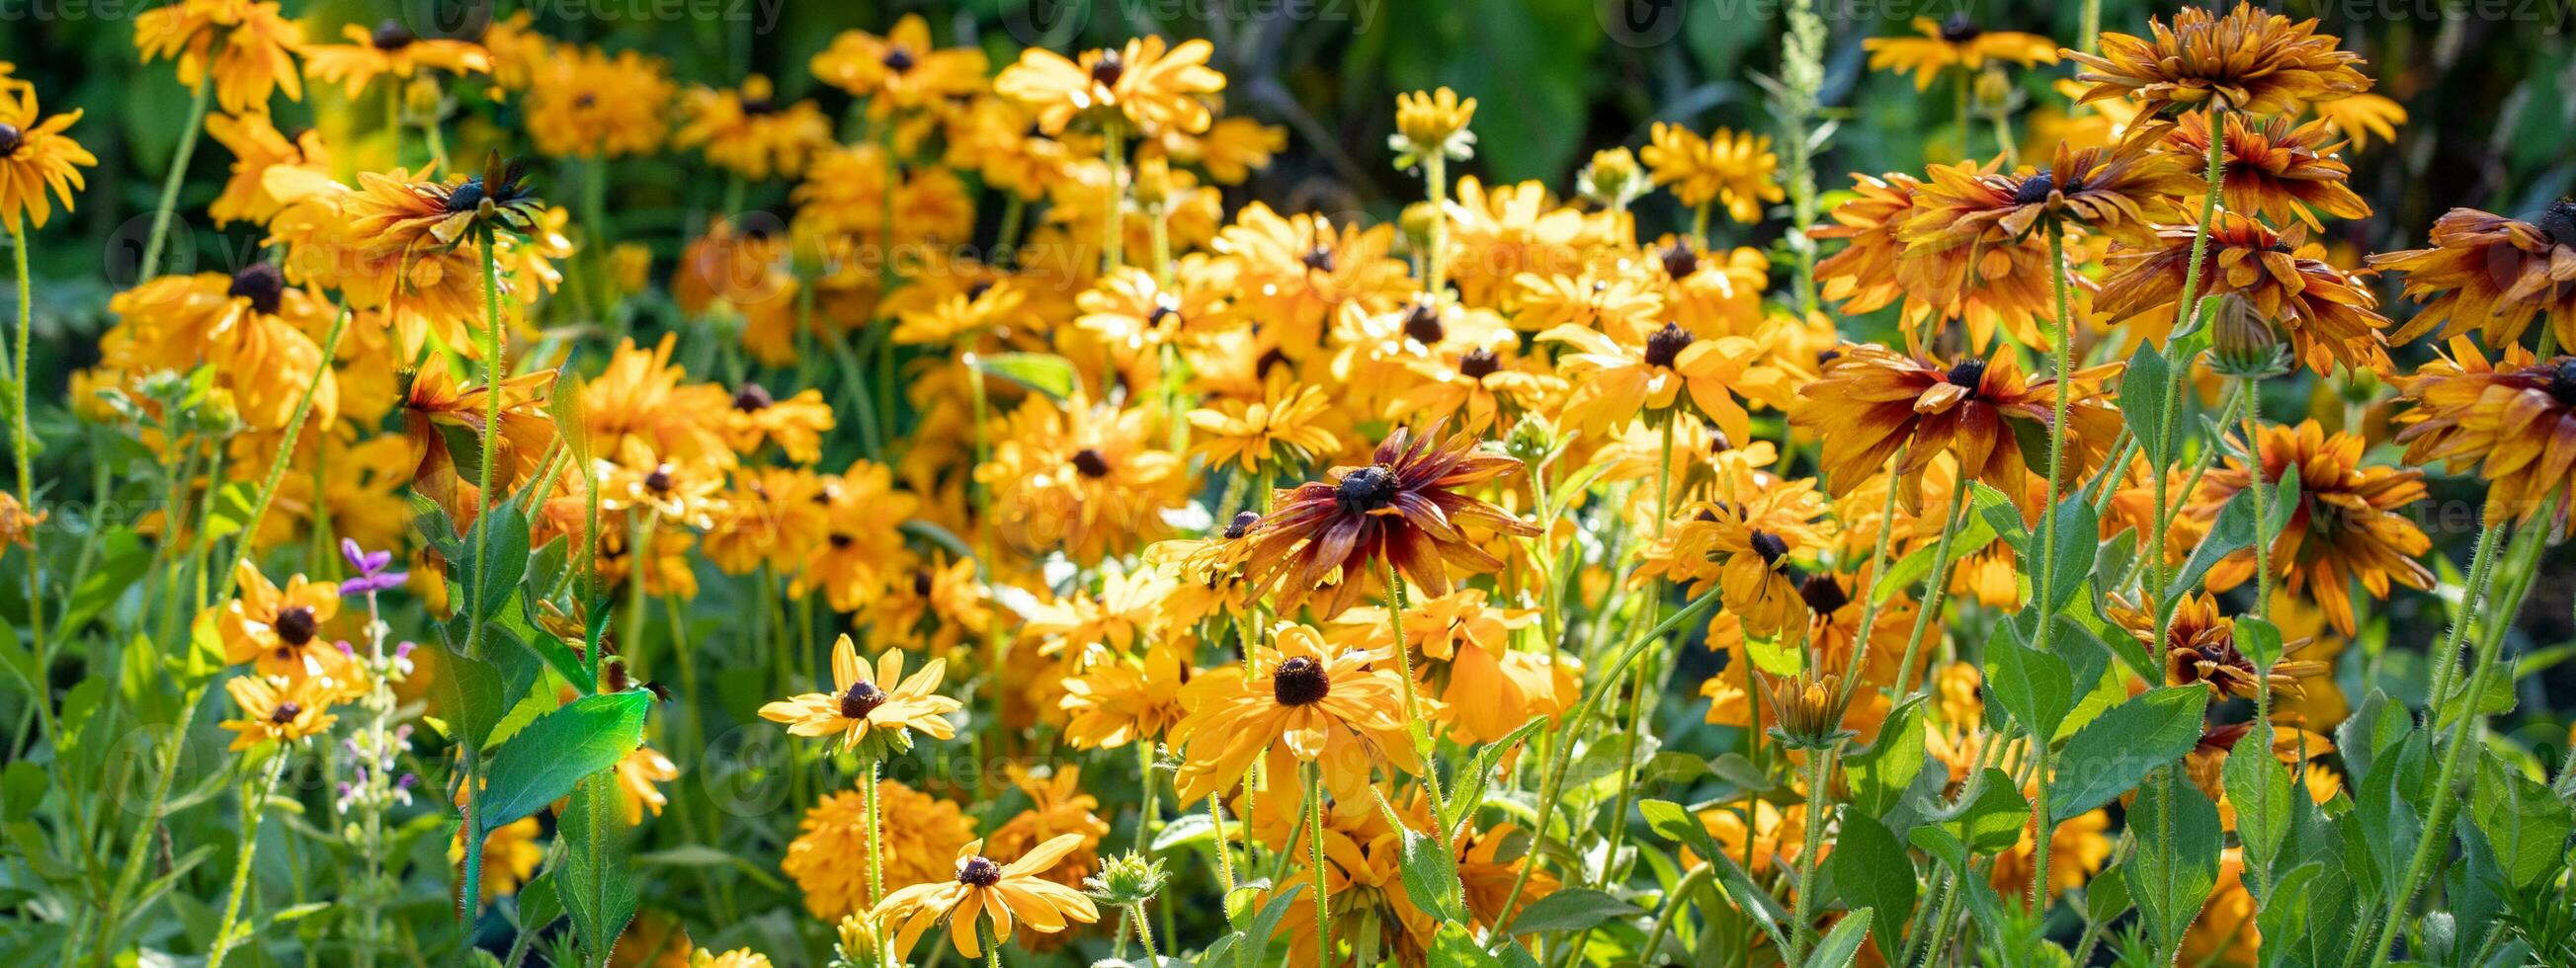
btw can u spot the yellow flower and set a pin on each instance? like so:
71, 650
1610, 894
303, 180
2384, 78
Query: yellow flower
1432, 122
278, 631
984, 888
828, 858
391, 50
2362, 117
585, 104
858, 706
1956, 42
1125, 700
737, 958
901, 69
636, 776
35, 155
1313, 701
748, 132
270, 712
255, 58
257, 146
1149, 87
510, 856
1283, 429
1728, 167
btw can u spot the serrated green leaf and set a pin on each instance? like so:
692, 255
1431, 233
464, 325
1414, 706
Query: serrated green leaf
2111, 754
1572, 909
2175, 865
1879, 775
542, 762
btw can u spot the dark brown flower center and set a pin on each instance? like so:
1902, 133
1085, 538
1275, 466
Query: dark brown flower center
898, 59
921, 583
979, 871
262, 284
296, 626
10, 139
392, 35
1422, 324
1091, 463
1769, 546
2035, 189
1163, 310
1300, 681
1680, 259
2562, 381
753, 398
1968, 373
1824, 594
286, 712
1319, 258
1109, 68
1959, 29
1665, 345
2559, 220
1479, 363
862, 698
841, 541
759, 106
1366, 489
659, 482
1241, 525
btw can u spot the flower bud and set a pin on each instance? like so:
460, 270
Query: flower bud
1810, 711
2243, 343
1126, 879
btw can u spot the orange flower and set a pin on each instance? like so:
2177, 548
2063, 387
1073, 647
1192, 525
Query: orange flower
2273, 169
1405, 509
2493, 273
1313, 702
984, 888
2331, 317
1872, 402
2511, 420
1149, 87
2250, 60
2346, 525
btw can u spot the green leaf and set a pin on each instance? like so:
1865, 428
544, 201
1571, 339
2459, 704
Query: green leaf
1572, 909
2523, 821
2143, 398
542, 762
1841, 944
503, 558
1478, 773
22, 786
557, 654
594, 884
2176, 862
1045, 373
1995, 819
1430, 870
2233, 532
2260, 640
2113, 752
1879, 775
1870, 869
1453, 946
2078, 540
2258, 786
470, 696
2035, 687
1676, 823
1989, 515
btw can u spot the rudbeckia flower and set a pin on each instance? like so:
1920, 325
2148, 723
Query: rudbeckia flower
1615, 382
270, 712
391, 50
2200, 649
901, 70
246, 48
2493, 273
2348, 523
1142, 82
1313, 701
2249, 60
2331, 317
746, 130
1954, 42
2273, 169
36, 156
1872, 403
1406, 509
828, 860
983, 888
880, 704
2511, 420
1736, 170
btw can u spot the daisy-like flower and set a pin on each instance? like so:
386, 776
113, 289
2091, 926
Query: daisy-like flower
2250, 60
2331, 317
2493, 273
982, 888
278, 630
871, 710
1081, 477
2200, 649
1407, 508
257, 332
901, 70
2348, 522
2273, 168
1283, 429
1733, 169
1996, 286
271, 712
1871, 402
2511, 420
1314, 702
407, 216
1615, 382
246, 48
2124, 191
1479, 385
796, 424
393, 51
585, 104
745, 130
1954, 42
637, 776
1151, 87
1123, 701
258, 146
36, 156
1431, 123
2362, 117
917, 833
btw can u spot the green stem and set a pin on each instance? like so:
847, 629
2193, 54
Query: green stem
1819, 763
252, 812
1414, 723
876, 842
1936, 590
2519, 574
23, 448
1144, 931
1435, 171
984, 937
1113, 232
186, 149
1313, 777
2047, 565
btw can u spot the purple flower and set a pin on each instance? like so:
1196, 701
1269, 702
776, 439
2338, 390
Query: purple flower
372, 576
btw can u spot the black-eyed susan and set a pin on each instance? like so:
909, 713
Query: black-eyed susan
1732, 169
1872, 402
916, 835
245, 49
278, 631
1147, 84
260, 335
36, 157
2492, 273
796, 424
2200, 649
2510, 419
2124, 191
258, 146
984, 901
1127, 700
277, 710
746, 131
1998, 286
902, 70
2331, 317
2274, 168
872, 710
2348, 524
1618, 381
2248, 60
1407, 509
1431, 123
583, 103
1081, 476
1314, 701
1285, 429
392, 51
1958, 42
